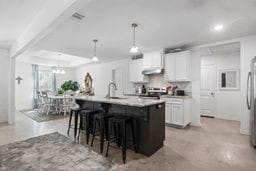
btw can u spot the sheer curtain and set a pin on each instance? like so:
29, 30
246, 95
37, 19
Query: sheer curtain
35, 75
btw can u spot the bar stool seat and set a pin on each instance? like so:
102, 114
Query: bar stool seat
120, 123
101, 121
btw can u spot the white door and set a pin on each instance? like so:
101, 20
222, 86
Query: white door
208, 88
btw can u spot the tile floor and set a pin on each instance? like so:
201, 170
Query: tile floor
217, 145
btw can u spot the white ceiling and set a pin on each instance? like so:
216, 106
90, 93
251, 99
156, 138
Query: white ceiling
15, 15
49, 58
162, 23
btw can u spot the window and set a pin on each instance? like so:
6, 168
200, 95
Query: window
229, 79
45, 80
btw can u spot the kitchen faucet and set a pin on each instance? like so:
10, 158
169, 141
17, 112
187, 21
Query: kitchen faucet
109, 85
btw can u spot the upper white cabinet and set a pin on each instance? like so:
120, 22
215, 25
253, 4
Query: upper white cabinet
153, 60
177, 66
135, 71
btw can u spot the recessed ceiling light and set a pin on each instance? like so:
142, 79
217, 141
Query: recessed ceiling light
218, 27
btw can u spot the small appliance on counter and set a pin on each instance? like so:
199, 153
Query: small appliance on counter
139, 90
171, 89
144, 90
180, 93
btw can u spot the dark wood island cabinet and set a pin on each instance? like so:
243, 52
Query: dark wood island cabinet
148, 118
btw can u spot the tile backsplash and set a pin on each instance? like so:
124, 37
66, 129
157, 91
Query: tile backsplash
159, 81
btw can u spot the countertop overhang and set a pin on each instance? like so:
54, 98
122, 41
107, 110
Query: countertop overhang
128, 101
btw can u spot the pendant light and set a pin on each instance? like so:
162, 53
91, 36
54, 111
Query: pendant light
95, 58
134, 48
58, 70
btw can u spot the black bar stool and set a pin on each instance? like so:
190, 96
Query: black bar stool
101, 121
76, 112
119, 123
86, 122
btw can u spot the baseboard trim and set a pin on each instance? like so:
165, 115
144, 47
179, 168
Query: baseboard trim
244, 132
196, 124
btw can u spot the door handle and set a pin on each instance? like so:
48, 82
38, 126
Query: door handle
247, 92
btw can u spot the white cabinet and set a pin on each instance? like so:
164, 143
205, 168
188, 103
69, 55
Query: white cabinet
177, 112
177, 66
135, 71
168, 108
153, 60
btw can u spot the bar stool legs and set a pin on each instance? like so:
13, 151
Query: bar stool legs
69, 122
124, 143
101, 120
94, 130
121, 134
133, 137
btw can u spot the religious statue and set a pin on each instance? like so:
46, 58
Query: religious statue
88, 84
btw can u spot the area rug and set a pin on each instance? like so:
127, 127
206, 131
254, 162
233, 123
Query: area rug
52, 152
41, 117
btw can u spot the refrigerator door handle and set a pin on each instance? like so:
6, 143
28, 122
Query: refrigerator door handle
247, 92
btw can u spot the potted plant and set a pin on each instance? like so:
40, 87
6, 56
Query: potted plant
70, 86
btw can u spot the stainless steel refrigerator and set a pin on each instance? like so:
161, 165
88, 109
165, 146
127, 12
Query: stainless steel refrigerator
251, 100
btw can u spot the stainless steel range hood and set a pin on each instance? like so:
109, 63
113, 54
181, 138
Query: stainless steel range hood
152, 71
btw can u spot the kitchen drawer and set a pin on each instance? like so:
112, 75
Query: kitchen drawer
175, 101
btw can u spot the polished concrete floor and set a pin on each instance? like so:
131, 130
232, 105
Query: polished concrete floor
217, 145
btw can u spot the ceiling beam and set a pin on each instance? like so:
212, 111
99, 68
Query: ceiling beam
48, 18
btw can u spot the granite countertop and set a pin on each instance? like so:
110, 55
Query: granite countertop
164, 96
128, 101
178, 97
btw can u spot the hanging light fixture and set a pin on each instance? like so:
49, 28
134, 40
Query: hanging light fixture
95, 58
58, 70
134, 48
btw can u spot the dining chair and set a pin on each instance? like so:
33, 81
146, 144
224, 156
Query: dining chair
40, 101
48, 104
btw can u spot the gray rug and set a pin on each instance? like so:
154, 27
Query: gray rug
33, 114
52, 152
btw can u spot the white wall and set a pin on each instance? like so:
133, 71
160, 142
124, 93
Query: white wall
70, 75
196, 80
228, 103
24, 90
248, 51
4, 84
102, 75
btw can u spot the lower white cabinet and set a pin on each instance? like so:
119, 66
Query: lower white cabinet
177, 112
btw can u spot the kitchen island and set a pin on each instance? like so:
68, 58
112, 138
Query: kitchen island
148, 118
